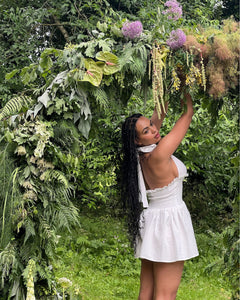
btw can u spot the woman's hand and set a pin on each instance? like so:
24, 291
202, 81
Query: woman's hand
158, 122
189, 104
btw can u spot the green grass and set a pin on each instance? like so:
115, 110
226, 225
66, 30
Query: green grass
100, 264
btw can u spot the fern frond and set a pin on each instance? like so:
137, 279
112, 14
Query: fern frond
7, 261
30, 230
48, 234
126, 57
62, 194
49, 238
101, 97
142, 52
55, 175
83, 241
30, 249
66, 193
66, 135
15, 105
44, 272
134, 59
139, 67
67, 216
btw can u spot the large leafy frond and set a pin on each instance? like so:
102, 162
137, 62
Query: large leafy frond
29, 228
138, 67
67, 216
15, 105
7, 261
141, 51
57, 176
126, 57
101, 97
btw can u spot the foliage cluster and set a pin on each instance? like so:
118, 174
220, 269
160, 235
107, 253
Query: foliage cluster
213, 145
89, 72
44, 166
32, 212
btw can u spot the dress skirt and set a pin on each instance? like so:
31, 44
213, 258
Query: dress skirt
166, 228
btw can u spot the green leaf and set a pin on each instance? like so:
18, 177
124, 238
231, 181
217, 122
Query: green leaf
105, 46
59, 79
90, 50
33, 75
59, 105
116, 31
15, 105
94, 72
102, 26
8, 76
26, 172
45, 59
25, 75
111, 62
46, 62
44, 98
28, 74
84, 126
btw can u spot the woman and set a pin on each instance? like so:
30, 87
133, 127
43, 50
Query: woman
159, 224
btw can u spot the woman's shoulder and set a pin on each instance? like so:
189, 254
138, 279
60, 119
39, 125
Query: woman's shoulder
157, 162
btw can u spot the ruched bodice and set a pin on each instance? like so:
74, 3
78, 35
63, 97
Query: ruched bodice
171, 194
166, 228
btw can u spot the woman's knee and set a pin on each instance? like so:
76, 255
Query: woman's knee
167, 277
146, 291
165, 295
145, 295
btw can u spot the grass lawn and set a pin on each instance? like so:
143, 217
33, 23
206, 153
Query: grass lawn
100, 264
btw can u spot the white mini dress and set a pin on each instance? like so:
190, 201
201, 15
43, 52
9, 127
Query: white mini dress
166, 228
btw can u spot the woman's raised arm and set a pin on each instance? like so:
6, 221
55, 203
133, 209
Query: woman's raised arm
156, 121
167, 145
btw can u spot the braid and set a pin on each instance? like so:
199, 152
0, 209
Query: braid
130, 189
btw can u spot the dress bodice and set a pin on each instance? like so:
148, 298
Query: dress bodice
173, 190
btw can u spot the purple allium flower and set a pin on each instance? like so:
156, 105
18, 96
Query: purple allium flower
174, 11
132, 30
177, 39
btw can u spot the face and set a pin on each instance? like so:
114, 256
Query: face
147, 132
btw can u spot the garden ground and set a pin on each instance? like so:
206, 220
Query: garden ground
98, 261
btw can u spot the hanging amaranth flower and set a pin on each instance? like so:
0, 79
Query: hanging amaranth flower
177, 39
174, 11
132, 29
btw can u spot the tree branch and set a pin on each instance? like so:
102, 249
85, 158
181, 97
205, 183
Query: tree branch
61, 28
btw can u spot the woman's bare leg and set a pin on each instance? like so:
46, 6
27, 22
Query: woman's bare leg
167, 277
146, 280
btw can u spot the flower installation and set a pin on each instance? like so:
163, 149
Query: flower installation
188, 58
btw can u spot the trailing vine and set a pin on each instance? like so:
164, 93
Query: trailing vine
159, 55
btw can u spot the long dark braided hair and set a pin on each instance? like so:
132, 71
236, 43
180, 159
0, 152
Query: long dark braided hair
130, 188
